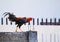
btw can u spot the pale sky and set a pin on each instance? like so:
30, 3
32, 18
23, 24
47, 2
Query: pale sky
32, 8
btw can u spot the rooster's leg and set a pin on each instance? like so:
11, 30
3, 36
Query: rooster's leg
20, 29
16, 29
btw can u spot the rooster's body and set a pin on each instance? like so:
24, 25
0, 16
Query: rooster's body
18, 20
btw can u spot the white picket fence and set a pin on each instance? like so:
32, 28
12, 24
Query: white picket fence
48, 33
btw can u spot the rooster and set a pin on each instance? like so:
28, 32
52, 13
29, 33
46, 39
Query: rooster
18, 20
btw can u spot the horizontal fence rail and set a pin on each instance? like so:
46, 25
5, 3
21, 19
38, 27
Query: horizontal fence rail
34, 22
